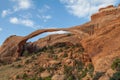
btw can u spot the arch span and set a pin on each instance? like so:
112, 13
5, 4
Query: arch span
33, 34
16, 43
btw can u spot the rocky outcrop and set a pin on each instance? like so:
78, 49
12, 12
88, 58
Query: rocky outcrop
103, 46
106, 13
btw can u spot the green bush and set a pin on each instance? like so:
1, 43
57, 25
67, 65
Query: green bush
41, 69
84, 73
60, 50
47, 78
116, 64
116, 76
69, 34
68, 70
24, 76
90, 69
17, 77
71, 77
34, 78
65, 55
98, 75
26, 53
18, 66
79, 65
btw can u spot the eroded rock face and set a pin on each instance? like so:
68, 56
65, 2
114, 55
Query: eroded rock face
103, 46
9, 47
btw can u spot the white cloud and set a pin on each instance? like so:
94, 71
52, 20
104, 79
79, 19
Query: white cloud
22, 4
45, 18
0, 29
43, 13
25, 22
84, 8
26, 16
5, 12
44, 9
14, 20
19, 5
29, 23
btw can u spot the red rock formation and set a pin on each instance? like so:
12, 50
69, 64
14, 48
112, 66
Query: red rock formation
103, 46
100, 38
13, 45
107, 8
106, 13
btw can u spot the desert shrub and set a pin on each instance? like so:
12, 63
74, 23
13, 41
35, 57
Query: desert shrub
27, 61
68, 70
116, 64
50, 49
55, 57
52, 56
79, 65
17, 77
47, 78
65, 55
60, 50
84, 73
116, 76
42, 49
18, 66
81, 50
24, 76
69, 34
41, 69
90, 69
60, 45
39, 78
71, 77
3, 62
26, 53
33, 57
98, 75
18, 59
52, 68
34, 78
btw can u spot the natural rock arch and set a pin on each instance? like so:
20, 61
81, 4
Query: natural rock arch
38, 32
13, 46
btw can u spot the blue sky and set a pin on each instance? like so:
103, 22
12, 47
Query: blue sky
21, 17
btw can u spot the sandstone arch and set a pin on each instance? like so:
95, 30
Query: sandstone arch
79, 34
13, 45
33, 34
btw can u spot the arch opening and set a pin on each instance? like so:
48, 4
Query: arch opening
29, 47
43, 35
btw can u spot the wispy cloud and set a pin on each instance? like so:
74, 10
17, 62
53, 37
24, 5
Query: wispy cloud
44, 9
84, 8
26, 16
0, 29
18, 5
45, 18
22, 4
25, 22
43, 13
5, 13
